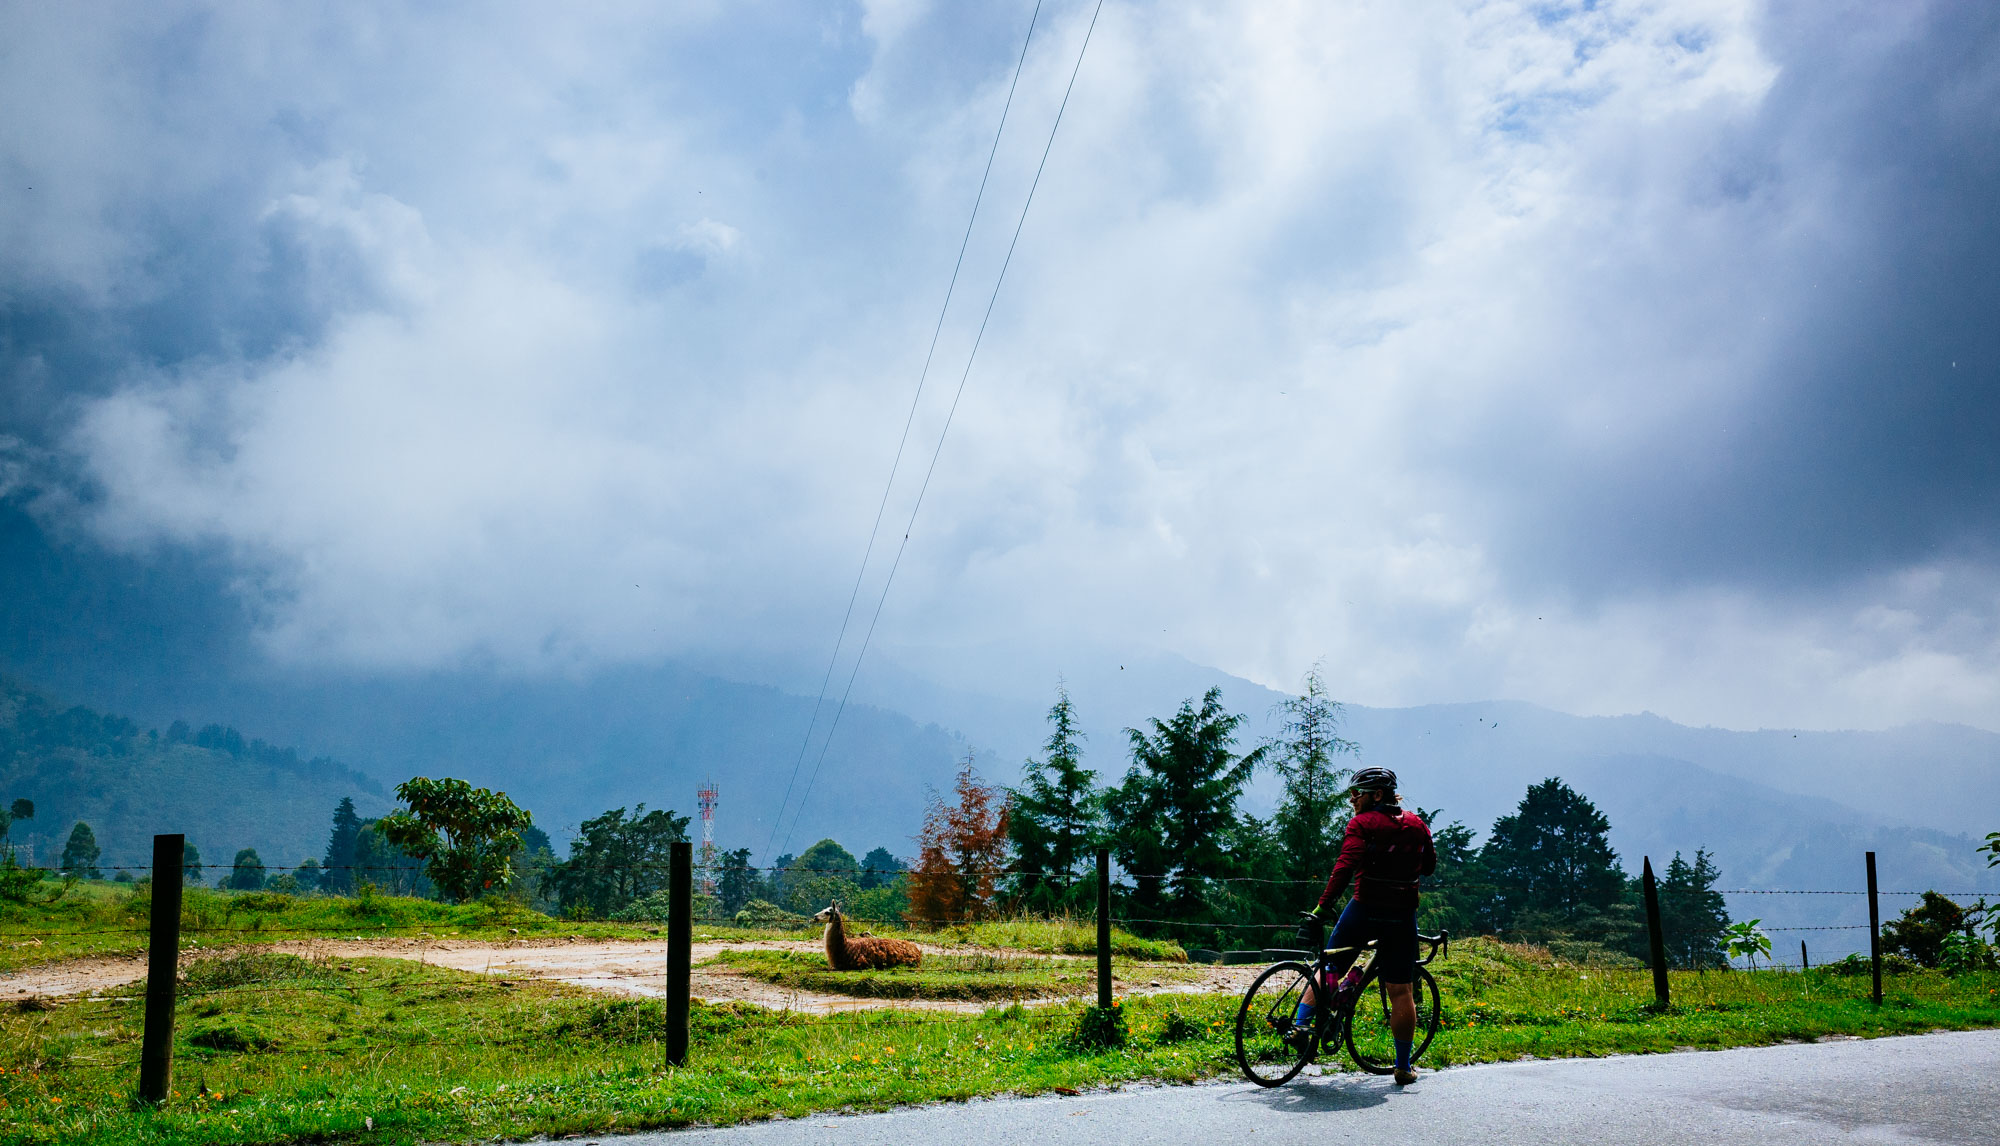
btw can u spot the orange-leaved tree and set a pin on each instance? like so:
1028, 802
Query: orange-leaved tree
960, 852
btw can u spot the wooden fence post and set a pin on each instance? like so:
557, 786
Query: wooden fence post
680, 949
1874, 930
1104, 928
163, 951
1656, 939
1804, 963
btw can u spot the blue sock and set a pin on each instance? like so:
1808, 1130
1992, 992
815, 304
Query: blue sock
1403, 1053
1304, 1015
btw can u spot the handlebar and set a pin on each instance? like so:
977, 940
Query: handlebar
1440, 945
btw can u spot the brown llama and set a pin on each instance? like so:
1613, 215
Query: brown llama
863, 953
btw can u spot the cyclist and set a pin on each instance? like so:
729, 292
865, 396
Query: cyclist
1385, 852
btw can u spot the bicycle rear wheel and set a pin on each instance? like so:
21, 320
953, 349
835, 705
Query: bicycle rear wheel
1264, 1022
1369, 1039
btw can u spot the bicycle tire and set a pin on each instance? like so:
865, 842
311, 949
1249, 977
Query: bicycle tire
1369, 1041
1263, 1020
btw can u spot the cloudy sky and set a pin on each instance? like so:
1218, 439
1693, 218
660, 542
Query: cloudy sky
1613, 356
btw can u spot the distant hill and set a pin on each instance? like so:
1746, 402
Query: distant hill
222, 791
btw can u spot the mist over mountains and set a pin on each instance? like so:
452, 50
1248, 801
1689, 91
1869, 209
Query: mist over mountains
161, 639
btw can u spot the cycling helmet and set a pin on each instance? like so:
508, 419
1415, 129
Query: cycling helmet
1373, 780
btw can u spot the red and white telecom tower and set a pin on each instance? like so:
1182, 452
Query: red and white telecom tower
705, 798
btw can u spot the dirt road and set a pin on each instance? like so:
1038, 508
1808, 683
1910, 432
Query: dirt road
614, 967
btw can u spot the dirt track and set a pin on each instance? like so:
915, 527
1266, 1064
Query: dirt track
619, 968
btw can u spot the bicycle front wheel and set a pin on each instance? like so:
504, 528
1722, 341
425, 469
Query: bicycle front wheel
1369, 1039
1266, 1047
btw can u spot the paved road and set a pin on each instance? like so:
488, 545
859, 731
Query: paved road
1928, 1088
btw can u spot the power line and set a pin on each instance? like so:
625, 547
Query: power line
951, 413
908, 419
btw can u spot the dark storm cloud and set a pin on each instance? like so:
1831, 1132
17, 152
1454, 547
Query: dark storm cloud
1858, 430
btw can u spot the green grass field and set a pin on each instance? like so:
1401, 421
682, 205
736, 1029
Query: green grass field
979, 978
100, 919
275, 1048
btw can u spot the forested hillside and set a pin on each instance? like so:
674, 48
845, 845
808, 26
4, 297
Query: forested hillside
224, 792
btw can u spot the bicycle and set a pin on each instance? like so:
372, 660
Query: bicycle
1272, 1050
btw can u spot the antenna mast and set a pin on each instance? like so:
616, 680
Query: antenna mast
705, 798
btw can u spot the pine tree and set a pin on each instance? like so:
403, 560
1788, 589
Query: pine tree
738, 884
340, 878
79, 855
1693, 915
1174, 816
1551, 862
1055, 816
1312, 816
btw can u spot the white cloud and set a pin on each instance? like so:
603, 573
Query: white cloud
1317, 304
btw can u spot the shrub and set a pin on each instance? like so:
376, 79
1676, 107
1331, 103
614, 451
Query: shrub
1857, 964
1097, 1028
761, 913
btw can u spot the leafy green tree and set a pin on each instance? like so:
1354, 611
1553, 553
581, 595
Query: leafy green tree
824, 873
1746, 940
79, 855
1056, 816
1923, 929
1992, 845
1312, 815
614, 860
738, 884
466, 836
247, 873
1174, 816
339, 876
191, 867
879, 869
1552, 864
1693, 915
18, 810
307, 874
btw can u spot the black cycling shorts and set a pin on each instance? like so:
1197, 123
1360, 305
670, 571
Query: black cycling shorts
1395, 933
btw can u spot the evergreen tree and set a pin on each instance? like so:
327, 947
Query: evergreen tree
879, 869
247, 874
79, 855
1551, 863
1312, 816
1458, 896
1693, 916
1174, 816
738, 883
339, 876
191, 868
615, 859
1054, 816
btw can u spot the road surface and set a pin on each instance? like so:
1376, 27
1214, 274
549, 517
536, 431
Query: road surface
1926, 1088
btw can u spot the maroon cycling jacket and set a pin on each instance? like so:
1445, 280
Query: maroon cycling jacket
1382, 855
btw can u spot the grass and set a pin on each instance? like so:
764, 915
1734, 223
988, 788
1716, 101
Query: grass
982, 978
273, 1047
108, 919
